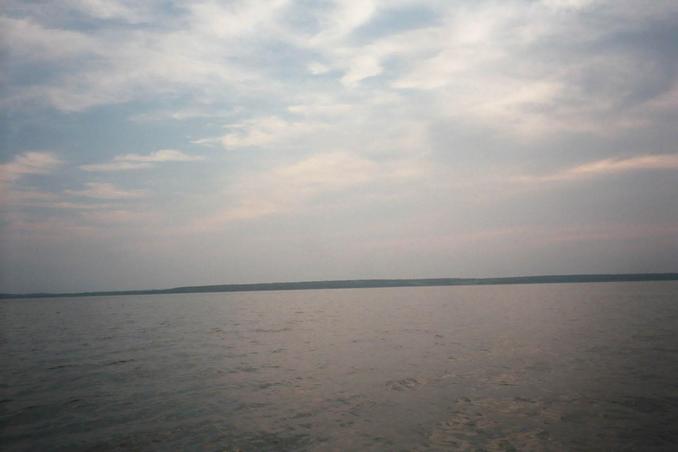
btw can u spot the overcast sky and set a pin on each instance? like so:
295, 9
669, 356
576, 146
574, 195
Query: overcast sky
160, 143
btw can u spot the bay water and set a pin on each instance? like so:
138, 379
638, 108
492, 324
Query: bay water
506, 367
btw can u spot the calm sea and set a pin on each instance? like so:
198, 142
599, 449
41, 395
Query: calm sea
524, 367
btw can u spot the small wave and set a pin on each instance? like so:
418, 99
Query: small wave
484, 425
406, 384
61, 366
272, 330
118, 362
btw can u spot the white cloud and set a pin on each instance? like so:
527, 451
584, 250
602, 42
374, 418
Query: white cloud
223, 20
33, 162
359, 62
266, 131
162, 155
140, 161
104, 190
643, 162
339, 21
360, 68
115, 166
179, 114
655, 162
316, 68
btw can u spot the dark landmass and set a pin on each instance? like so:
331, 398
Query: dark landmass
368, 283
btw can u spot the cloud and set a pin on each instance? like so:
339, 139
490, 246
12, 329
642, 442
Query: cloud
139, 161
179, 114
106, 9
307, 183
321, 109
364, 122
316, 68
115, 166
609, 166
527, 68
27, 163
36, 42
104, 190
201, 54
342, 19
653, 162
118, 216
288, 186
266, 131
497, 64
360, 68
568, 4
163, 155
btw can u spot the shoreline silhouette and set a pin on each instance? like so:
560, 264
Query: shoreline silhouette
364, 284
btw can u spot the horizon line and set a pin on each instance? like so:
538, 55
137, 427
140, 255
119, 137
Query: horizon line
363, 283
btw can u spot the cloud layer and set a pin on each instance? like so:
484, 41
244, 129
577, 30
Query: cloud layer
347, 138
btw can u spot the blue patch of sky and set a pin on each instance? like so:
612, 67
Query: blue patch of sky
305, 15
21, 74
93, 135
393, 21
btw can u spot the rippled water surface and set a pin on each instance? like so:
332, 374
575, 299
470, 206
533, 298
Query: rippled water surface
531, 367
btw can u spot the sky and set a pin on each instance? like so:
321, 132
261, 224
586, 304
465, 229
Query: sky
148, 144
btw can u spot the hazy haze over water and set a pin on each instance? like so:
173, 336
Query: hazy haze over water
555, 367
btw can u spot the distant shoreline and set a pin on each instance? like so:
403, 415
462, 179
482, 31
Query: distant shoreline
366, 283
